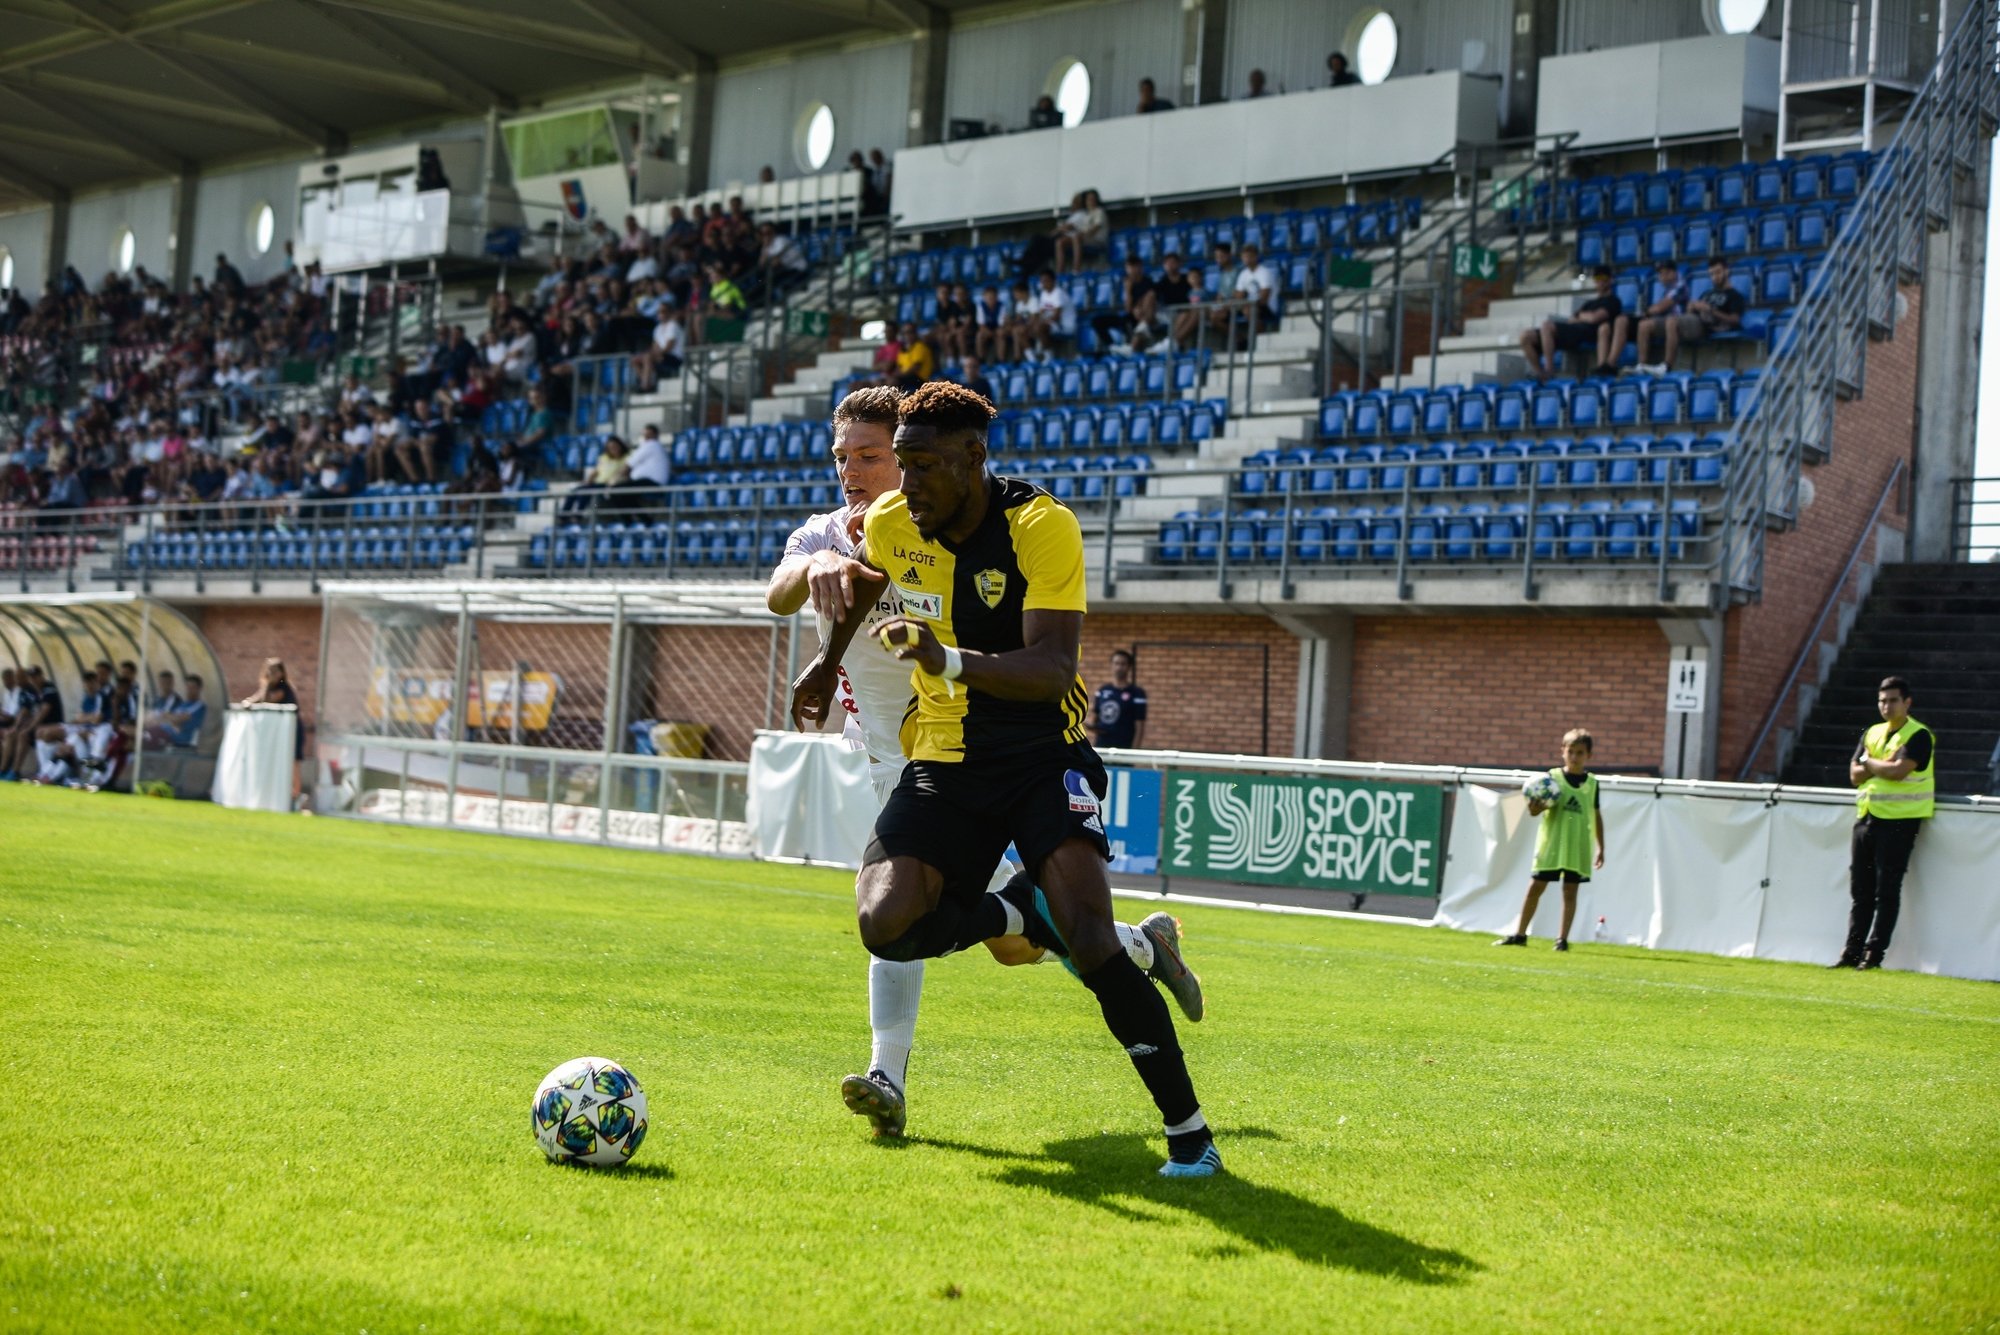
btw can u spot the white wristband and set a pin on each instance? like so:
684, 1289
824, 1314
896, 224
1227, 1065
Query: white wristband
954, 663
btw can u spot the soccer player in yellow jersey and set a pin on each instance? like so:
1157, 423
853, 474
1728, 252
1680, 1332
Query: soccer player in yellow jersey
989, 572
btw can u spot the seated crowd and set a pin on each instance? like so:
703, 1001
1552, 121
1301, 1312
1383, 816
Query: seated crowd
88, 746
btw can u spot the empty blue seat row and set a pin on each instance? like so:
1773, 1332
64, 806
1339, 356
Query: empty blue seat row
1018, 384
1698, 239
784, 443
1693, 190
1636, 460
1084, 478
738, 490
1108, 426
398, 500
686, 543
1590, 532
368, 547
1469, 410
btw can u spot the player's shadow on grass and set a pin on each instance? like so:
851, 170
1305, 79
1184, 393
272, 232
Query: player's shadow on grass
1119, 1172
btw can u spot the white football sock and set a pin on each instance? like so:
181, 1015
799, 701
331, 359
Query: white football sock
1194, 1123
894, 988
1137, 945
1016, 924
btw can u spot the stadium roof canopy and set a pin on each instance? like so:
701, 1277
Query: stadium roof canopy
99, 91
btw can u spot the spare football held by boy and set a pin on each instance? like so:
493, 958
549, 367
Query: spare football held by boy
1571, 824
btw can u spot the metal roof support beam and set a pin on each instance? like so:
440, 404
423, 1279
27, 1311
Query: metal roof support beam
162, 104
673, 57
367, 28
697, 128
98, 25
89, 123
897, 15
187, 194
363, 78
503, 27
30, 183
97, 150
929, 56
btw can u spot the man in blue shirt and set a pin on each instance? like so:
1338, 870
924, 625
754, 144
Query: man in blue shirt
1118, 714
180, 724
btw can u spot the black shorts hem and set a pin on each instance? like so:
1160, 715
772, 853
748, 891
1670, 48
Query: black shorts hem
1566, 877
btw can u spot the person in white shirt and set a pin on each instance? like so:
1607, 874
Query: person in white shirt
820, 563
643, 268
664, 357
521, 349
1054, 318
649, 461
1258, 282
1082, 234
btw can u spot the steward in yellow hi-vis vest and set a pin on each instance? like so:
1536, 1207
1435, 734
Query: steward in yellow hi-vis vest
1893, 771
989, 572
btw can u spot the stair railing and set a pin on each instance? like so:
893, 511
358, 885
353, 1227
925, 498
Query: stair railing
1812, 640
1821, 355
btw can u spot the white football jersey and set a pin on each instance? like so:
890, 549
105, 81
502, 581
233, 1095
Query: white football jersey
875, 686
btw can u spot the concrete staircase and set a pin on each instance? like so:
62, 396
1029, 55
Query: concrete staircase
1939, 627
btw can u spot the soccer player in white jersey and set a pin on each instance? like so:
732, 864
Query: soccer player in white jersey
875, 692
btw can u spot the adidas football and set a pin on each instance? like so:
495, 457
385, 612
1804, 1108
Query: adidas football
1541, 788
589, 1111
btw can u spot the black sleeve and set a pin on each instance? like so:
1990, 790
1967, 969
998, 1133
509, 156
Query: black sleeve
1918, 749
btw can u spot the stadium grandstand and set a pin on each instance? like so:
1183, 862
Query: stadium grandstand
1538, 361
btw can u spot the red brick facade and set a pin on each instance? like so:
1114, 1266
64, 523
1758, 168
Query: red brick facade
1762, 640
1502, 690
1216, 682
243, 635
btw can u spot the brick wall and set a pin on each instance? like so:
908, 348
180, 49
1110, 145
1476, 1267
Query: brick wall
1226, 683
1762, 640
720, 676
1502, 690
243, 635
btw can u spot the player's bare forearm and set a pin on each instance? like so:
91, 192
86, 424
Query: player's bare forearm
786, 593
1044, 668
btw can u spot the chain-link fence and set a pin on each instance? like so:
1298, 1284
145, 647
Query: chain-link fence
606, 712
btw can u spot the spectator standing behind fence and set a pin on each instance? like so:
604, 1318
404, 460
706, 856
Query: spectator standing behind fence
274, 687
1570, 825
1118, 714
1893, 768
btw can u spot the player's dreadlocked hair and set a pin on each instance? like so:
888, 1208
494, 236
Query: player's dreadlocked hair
874, 406
943, 406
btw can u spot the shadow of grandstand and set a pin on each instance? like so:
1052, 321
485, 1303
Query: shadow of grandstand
1118, 1173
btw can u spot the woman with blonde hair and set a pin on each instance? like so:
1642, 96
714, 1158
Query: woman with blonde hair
275, 688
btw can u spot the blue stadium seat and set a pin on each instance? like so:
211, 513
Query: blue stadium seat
1586, 406
1623, 403
1585, 461
1468, 464
1474, 410
1549, 407
1510, 410
1624, 461
1504, 530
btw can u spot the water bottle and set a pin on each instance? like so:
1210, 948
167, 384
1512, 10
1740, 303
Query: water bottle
1601, 934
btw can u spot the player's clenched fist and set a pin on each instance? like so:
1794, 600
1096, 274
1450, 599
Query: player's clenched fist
813, 694
913, 641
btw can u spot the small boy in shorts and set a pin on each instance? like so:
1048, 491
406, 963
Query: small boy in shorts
1563, 846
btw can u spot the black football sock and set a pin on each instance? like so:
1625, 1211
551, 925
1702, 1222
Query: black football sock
947, 929
1137, 1016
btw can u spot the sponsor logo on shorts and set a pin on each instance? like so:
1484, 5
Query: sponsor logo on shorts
1081, 797
1141, 1050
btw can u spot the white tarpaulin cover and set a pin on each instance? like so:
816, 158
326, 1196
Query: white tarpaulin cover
254, 769
810, 797
1763, 875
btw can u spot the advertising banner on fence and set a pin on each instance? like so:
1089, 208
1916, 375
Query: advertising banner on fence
1132, 820
1317, 834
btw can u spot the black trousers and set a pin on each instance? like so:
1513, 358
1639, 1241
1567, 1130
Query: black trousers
1879, 855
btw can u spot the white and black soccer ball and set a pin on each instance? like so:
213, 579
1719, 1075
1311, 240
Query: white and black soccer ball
589, 1111
1542, 788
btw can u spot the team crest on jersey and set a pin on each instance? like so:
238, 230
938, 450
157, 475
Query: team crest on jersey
992, 586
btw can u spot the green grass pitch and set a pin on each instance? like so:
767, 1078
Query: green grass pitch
272, 1074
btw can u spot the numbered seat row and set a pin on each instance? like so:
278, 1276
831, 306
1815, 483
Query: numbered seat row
1679, 459
1556, 404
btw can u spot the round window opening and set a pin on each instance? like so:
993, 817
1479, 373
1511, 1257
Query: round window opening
1376, 42
815, 137
1736, 16
263, 228
1070, 86
124, 250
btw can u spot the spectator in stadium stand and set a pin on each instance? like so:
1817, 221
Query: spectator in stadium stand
973, 377
41, 705
1150, 101
206, 477
767, 175
1338, 75
1587, 332
883, 365
990, 315
915, 362
948, 335
612, 468
539, 431
1052, 328
782, 264
1673, 300
883, 173
1082, 235
66, 495
181, 723
1894, 770
725, 298
228, 278
1258, 283
1118, 715
650, 466
1129, 323
635, 240
1044, 115
1256, 88
662, 357
274, 687
679, 231
1717, 313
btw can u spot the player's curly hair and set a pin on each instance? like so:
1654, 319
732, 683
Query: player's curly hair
874, 406
944, 406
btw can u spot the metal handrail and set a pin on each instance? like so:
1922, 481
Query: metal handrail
1811, 641
1822, 354
1966, 525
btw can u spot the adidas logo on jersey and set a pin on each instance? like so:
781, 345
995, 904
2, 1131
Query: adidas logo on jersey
911, 576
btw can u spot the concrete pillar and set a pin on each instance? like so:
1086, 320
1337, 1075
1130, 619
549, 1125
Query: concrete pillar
55, 250
697, 129
1688, 751
187, 194
1947, 426
1534, 36
1204, 43
930, 56
1326, 679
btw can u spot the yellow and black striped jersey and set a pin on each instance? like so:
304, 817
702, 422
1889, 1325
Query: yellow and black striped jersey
1027, 554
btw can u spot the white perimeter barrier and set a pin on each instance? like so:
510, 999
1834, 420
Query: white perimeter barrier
253, 771
1746, 870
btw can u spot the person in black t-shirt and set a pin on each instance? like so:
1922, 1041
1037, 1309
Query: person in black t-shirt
1588, 331
1717, 313
1118, 714
1135, 313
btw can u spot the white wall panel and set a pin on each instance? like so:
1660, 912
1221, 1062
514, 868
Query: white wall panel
1664, 90
95, 221
26, 237
1595, 25
222, 218
997, 70
757, 110
1290, 39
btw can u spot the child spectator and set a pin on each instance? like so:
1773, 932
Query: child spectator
1573, 823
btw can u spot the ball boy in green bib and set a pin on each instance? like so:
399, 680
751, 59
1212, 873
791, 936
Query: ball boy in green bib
1571, 826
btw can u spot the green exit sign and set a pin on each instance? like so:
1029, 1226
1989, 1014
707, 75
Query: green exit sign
1343, 272
809, 324
1474, 262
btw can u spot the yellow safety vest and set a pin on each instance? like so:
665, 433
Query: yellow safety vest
1897, 799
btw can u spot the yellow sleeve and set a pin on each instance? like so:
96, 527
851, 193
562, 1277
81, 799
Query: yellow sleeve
875, 526
1048, 545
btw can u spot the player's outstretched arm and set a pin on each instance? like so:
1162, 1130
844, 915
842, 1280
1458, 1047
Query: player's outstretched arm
814, 691
1044, 668
786, 593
